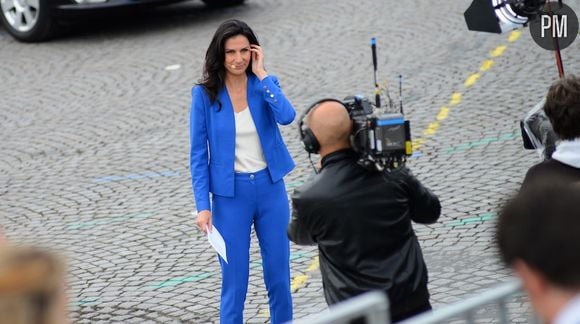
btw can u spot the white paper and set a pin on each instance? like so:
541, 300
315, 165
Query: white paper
217, 241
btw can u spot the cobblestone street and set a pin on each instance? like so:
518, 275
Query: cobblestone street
94, 156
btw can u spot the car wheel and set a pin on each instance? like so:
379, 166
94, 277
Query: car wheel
222, 3
27, 20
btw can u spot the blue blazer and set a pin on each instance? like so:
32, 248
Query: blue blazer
213, 137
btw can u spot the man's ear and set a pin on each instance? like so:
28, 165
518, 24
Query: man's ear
533, 282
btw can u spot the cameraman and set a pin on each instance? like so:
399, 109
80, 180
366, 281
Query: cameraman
361, 220
563, 109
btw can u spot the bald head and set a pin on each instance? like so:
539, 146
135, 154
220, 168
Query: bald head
331, 125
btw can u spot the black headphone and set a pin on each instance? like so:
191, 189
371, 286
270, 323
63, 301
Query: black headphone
309, 141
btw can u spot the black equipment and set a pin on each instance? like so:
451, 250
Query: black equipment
383, 140
500, 16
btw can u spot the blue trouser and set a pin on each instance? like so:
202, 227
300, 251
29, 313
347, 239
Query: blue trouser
260, 202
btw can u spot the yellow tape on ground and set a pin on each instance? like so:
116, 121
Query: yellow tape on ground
443, 112
498, 51
514, 35
486, 65
314, 265
264, 313
431, 129
416, 144
298, 282
472, 79
455, 99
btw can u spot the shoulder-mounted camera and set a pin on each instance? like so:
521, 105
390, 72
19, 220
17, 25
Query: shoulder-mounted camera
383, 140
382, 137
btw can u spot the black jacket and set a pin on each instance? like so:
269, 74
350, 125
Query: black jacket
551, 171
361, 221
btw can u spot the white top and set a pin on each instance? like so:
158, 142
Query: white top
249, 154
568, 152
570, 314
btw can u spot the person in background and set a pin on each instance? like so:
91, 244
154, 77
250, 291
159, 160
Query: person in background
537, 236
32, 286
563, 109
238, 155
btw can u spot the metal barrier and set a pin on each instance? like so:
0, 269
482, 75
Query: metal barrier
372, 306
466, 309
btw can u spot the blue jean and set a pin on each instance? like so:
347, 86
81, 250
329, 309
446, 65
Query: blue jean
264, 204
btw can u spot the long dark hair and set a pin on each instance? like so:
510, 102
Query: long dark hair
213, 77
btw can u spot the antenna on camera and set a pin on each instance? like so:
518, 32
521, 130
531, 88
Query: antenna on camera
377, 89
401, 94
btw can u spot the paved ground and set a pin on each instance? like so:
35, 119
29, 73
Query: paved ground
94, 149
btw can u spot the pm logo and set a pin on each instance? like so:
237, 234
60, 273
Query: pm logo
557, 24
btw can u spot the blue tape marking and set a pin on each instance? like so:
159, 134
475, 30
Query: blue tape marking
294, 184
471, 220
180, 280
111, 220
137, 176
396, 121
417, 154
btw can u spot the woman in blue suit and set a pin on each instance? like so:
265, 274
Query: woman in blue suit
238, 155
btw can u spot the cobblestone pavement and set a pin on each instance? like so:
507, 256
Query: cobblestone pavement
94, 149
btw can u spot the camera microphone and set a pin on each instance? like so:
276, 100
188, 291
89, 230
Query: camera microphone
377, 89
401, 94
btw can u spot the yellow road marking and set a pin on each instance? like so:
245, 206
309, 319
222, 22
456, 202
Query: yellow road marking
431, 129
298, 282
442, 113
498, 51
264, 312
314, 265
417, 142
514, 35
455, 99
486, 65
472, 79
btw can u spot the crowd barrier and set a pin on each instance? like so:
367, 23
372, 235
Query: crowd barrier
374, 307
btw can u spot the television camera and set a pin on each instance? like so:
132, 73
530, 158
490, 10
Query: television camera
381, 137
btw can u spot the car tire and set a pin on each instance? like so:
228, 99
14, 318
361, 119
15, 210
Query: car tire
222, 3
28, 20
